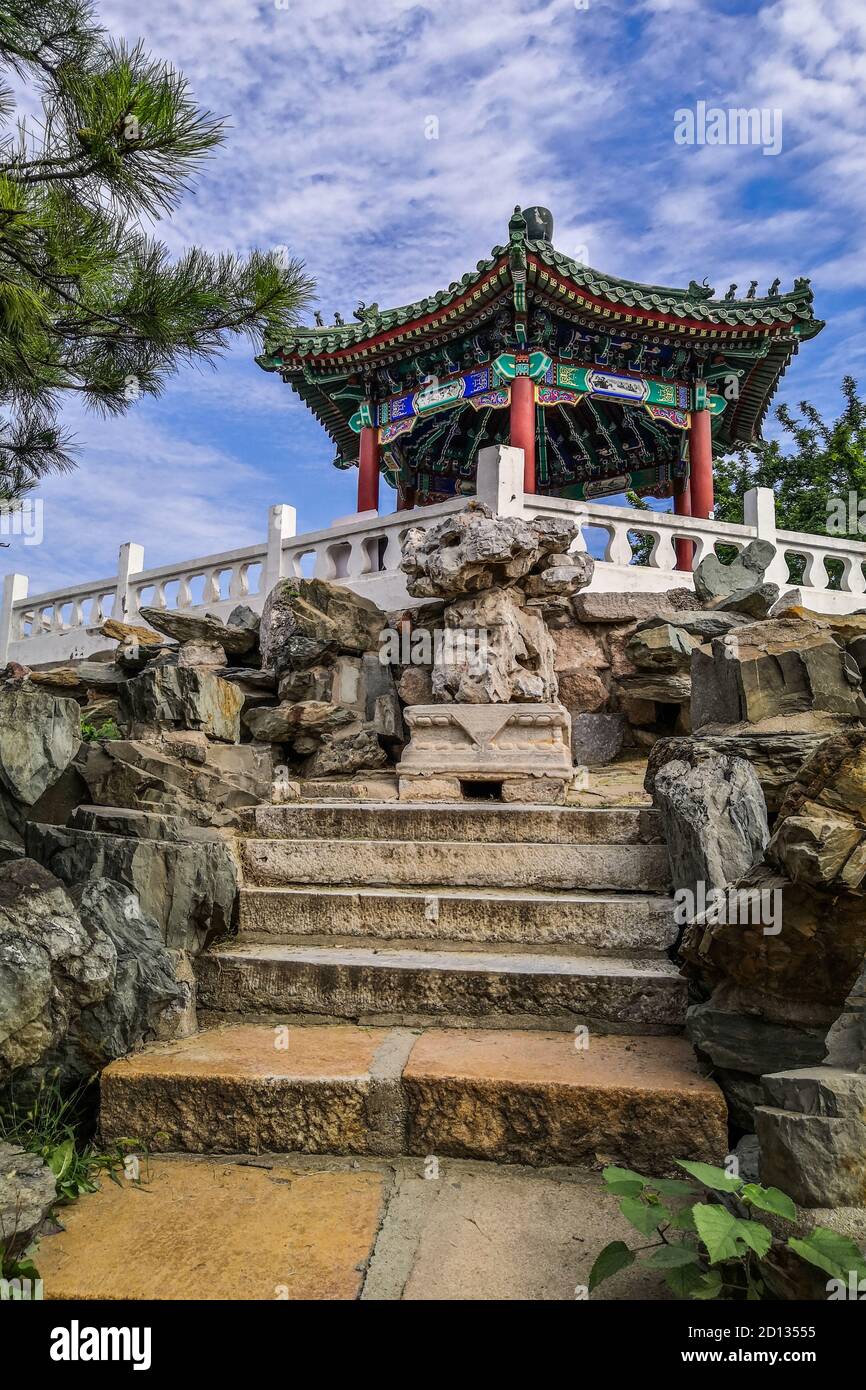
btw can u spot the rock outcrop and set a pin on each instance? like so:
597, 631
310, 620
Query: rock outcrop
84, 975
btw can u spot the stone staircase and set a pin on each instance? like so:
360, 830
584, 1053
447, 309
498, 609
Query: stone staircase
474, 980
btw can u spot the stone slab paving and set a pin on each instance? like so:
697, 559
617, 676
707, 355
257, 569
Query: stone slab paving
326, 1229
214, 1230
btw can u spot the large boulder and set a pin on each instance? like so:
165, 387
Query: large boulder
820, 835
306, 622
716, 581
473, 550
777, 669
237, 636
147, 1002
715, 820
39, 736
186, 697
204, 785
286, 721
814, 959
52, 965
186, 879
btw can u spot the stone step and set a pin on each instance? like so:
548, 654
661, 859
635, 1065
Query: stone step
448, 864
512, 1097
487, 822
368, 983
594, 921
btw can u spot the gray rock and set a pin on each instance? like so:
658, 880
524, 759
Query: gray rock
748, 1156
665, 687
596, 739
846, 1040
39, 736
264, 681
236, 638
818, 1159
495, 650
715, 820
754, 602
28, 1191
746, 1042
314, 683
209, 654
186, 698
698, 622
716, 580
146, 1002
354, 749
473, 550
773, 669
51, 967
661, 647
565, 577
775, 757
124, 773
313, 718
308, 621
189, 886
245, 618
595, 607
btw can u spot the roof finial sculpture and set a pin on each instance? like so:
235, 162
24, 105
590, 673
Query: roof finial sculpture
752, 288
732, 291
773, 291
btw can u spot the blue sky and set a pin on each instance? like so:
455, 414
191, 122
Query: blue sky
537, 101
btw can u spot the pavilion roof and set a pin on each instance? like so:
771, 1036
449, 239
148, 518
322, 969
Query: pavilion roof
761, 333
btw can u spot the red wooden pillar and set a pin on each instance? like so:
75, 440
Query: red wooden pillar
523, 426
368, 470
701, 463
685, 548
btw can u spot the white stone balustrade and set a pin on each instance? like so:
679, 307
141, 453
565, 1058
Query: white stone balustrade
364, 552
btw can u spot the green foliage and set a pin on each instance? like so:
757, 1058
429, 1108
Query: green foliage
91, 733
89, 301
17, 1266
812, 464
712, 1249
54, 1123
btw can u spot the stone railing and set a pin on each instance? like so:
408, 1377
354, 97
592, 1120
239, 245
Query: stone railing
364, 552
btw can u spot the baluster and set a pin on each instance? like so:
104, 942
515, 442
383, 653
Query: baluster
238, 585
393, 552
853, 579
618, 551
211, 592
324, 567
814, 573
184, 592
662, 556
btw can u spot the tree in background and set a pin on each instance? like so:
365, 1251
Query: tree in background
89, 301
813, 483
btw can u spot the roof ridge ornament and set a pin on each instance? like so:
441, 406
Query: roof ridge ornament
539, 224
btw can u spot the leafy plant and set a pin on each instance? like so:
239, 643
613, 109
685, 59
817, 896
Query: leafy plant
90, 733
53, 1123
715, 1248
17, 1266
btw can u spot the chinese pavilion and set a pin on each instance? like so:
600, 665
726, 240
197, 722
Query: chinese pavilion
605, 384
